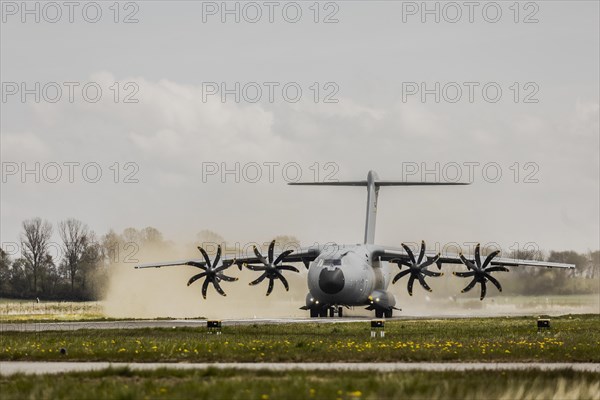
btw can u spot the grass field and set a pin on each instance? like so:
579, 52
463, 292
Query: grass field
52, 311
237, 384
571, 339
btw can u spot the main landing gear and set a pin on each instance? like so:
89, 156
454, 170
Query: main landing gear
383, 313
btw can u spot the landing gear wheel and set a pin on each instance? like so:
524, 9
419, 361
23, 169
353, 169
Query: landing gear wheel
388, 313
323, 312
314, 313
378, 313
331, 312
340, 312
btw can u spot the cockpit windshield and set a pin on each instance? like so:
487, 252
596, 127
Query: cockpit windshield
332, 261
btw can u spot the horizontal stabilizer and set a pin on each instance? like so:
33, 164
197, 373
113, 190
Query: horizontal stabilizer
373, 183
332, 183
377, 183
401, 183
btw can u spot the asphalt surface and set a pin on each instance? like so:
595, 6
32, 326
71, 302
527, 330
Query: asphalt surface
25, 367
175, 323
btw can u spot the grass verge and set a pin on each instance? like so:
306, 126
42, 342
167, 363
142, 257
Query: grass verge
238, 384
571, 339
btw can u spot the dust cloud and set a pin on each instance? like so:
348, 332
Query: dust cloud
162, 292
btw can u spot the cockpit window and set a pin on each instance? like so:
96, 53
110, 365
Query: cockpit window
332, 261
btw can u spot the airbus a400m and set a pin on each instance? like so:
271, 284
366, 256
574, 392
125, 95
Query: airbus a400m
359, 274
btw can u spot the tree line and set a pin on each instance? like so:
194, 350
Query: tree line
78, 266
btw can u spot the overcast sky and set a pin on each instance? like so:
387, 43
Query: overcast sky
360, 108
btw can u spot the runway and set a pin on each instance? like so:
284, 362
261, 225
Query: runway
174, 323
25, 367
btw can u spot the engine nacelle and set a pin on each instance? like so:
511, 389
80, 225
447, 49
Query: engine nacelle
382, 299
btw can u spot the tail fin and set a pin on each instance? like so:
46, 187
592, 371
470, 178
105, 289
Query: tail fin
373, 183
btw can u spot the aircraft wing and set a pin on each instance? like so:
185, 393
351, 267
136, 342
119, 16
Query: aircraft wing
391, 253
304, 255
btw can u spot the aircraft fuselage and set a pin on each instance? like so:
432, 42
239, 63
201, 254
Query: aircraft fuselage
349, 276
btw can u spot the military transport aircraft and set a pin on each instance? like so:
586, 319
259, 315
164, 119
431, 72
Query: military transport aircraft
354, 275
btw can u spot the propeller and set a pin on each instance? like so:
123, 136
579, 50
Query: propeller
213, 272
480, 271
416, 268
271, 268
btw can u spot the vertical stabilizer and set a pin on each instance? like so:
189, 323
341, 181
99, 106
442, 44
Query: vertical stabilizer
372, 194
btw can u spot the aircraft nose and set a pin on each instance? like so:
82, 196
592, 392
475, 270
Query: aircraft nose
331, 281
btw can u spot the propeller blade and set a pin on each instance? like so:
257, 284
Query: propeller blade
258, 280
411, 280
464, 274
256, 267
489, 258
469, 286
423, 283
208, 264
497, 269
431, 273
197, 265
410, 253
494, 281
270, 289
439, 264
468, 263
222, 267
259, 256
483, 290
478, 256
285, 282
217, 257
271, 247
421, 252
195, 278
287, 268
218, 287
400, 275
204, 287
282, 256
429, 261
227, 278
400, 262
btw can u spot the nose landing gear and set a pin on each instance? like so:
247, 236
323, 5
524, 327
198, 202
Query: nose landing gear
326, 311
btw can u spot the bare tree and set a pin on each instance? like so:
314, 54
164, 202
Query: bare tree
5, 263
76, 238
34, 243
